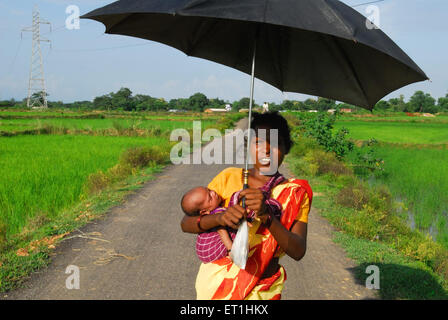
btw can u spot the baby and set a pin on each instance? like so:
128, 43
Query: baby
217, 242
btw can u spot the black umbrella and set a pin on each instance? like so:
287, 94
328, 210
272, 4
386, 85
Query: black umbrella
317, 47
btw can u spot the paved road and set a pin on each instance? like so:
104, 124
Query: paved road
143, 254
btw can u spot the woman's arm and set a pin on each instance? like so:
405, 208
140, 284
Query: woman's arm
292, 242
229, 218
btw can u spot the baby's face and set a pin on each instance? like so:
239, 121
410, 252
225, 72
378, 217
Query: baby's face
208, 199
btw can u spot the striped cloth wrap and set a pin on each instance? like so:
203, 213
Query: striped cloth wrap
209, 246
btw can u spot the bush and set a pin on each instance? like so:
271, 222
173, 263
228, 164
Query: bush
320, 128
120, 171
302, 144
96, 182
354, 196
143, 156
325, 163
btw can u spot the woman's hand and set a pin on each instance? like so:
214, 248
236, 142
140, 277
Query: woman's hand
231, 217
255, 201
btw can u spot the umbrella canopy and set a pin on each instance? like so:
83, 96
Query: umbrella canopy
316, 47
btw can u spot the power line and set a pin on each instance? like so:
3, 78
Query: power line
65, 27
15, 57
366, 3
104, 49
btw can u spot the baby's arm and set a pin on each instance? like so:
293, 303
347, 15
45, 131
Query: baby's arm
225, 238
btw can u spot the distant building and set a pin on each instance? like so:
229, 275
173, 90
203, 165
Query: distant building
312, 110
346, 110
228, 107
331, 110
253, 110
210, 110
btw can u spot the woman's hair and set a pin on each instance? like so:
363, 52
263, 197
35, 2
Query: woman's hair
273, 120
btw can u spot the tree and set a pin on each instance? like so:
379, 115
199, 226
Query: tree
103, 102
324, 104
198, 102
442, 103
275, 107
397, 104
243, 103
216, 103
159, 104
382, 105
299, 105
39, 95
421, 102
287, 105
310, 104
122, 99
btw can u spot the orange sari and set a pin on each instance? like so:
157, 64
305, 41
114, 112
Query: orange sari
222, 279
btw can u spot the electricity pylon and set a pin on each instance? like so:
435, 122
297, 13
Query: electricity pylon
37, 95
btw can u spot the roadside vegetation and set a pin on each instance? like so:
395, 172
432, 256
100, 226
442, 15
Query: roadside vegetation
60, 173
372, 222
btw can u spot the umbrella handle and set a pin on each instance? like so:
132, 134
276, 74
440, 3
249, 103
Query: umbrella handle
245, 186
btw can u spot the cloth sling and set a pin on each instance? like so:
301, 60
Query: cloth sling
209, 246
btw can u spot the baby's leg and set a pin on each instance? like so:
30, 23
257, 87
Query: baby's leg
225, 238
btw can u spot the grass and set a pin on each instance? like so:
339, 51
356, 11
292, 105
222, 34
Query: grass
36, 242
371, 225
419, 177
415, 169
400, 277
44, 174
397, 132
409, 263
393, 117
11, 125
53, 181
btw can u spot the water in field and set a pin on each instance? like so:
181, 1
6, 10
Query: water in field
415, 168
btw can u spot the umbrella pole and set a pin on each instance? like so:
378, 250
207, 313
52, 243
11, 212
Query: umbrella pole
246, 164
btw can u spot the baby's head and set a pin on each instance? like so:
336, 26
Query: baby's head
200, 200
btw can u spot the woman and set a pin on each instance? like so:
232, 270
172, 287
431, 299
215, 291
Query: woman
269, 237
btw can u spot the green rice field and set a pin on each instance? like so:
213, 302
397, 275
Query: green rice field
415, 158
419, 177
397, 132
45, 174
10, 125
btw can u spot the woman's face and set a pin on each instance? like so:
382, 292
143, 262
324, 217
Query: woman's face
267, 154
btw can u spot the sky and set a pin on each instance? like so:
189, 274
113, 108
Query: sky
85, 63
